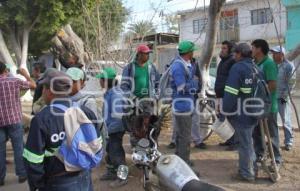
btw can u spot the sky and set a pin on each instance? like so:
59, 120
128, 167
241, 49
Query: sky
143, 10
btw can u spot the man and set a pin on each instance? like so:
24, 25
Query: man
77, 95
11, 119
139, 82
184, 89
47, 132
40, 103
195, 131
140, 78
113, 121
38, 69
239, 88
285, 83
260, 49
227, 61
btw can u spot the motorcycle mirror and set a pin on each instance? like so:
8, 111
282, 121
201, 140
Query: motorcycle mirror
123, 172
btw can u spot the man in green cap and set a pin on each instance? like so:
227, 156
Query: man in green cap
112, 113
80, 97
184, 88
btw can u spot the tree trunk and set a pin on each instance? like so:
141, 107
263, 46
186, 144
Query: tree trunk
15, 46
210, 41
5, 55
25, 41
67, 43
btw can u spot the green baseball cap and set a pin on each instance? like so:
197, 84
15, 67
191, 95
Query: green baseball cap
75, 73
107, 73
186, 46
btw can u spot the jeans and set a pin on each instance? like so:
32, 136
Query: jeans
15, 133
274, 134
81, 182
195, 131
285, 114
245, 148
115, 151
183, 136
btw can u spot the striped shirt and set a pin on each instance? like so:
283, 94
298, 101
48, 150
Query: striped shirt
10, 104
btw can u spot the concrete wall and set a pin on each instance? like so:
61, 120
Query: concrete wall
248, 32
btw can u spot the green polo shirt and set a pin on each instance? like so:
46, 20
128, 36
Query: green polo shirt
270, 69
141, 81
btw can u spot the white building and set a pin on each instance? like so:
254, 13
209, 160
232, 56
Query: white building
241, 20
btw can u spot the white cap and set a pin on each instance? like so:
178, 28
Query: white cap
278, 49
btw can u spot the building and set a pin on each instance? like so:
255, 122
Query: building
293, 26
241, 21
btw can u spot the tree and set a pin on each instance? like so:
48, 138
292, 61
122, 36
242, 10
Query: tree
141, 29
214, 12
172, 23
101, 26
20, 18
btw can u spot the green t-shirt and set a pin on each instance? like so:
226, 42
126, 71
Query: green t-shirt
141, 81
270, 69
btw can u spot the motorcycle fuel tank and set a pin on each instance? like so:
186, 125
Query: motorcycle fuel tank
175, 175
173, 172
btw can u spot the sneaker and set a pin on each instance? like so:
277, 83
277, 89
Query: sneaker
259, 159
172, 145
118, 183
109, 176
239, 177
201, 146
22, 179
287, 147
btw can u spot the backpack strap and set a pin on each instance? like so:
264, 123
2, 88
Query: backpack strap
60, 106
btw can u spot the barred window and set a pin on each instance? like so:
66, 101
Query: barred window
261, 16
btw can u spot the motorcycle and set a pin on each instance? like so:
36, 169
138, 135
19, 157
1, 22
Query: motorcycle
171, 171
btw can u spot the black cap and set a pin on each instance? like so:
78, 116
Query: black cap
58, 81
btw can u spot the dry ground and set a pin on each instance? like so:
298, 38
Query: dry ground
217, 166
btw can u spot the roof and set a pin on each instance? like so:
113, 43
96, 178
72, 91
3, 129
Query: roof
228, 3
160, 38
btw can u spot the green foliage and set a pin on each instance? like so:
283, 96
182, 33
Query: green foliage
45, 16
172, 23
105, 21
141, 29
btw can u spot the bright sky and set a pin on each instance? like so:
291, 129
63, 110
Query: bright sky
143, 9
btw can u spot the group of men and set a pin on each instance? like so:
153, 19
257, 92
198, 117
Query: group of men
236, 70
140, 80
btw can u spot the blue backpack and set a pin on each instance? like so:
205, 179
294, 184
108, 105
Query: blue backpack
82, 147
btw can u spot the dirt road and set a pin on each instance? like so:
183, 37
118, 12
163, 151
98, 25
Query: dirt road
217, 166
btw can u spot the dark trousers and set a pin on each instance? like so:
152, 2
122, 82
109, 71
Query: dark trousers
183, 136
115, 151
80, 182
274, 133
